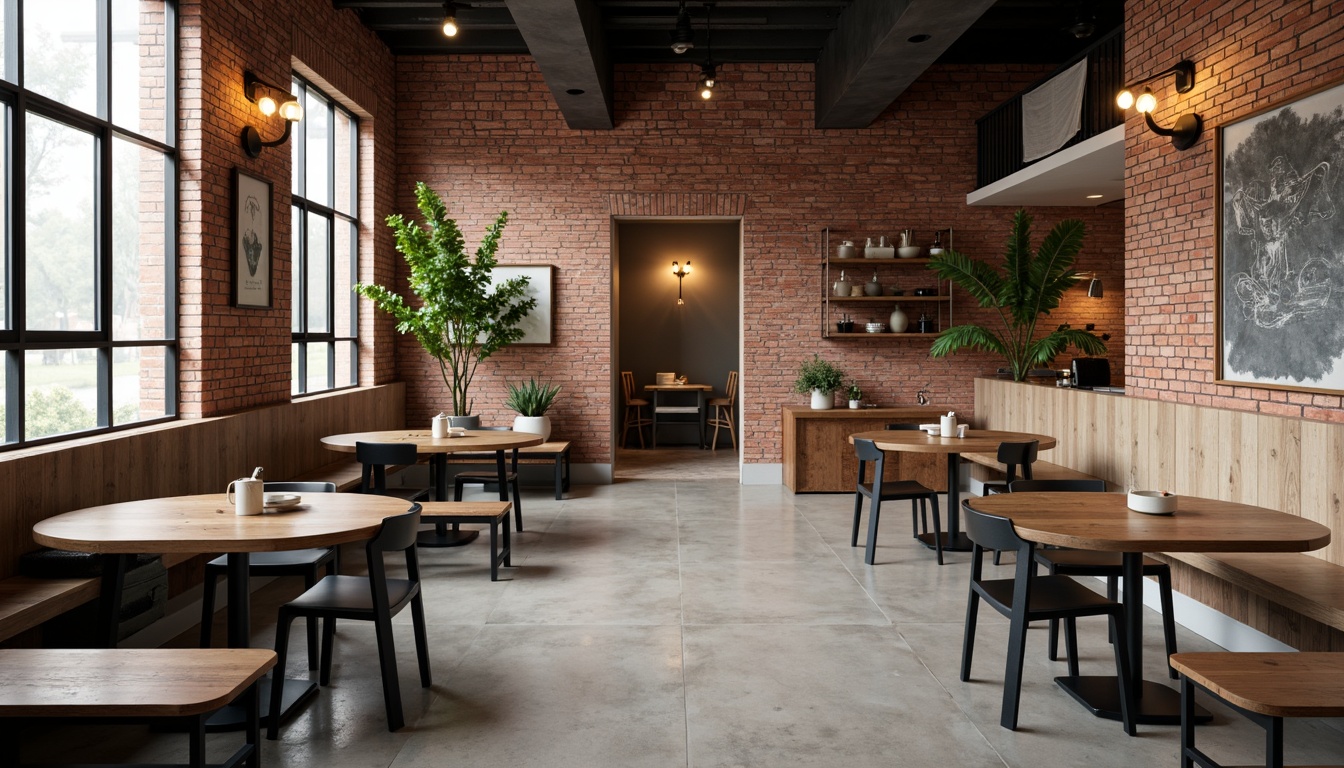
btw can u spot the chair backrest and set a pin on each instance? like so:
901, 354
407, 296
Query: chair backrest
291, 486
398, 534
1072, 486
867, 450
1013, 455
730, 391
376, 457
992, 531
903, 427
628, 385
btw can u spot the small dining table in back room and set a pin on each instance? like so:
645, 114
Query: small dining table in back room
437, 449
700, 390
975, 441
1104, 522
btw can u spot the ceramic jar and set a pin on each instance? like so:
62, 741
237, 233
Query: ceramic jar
872, 287
846, 250
898, 322
842, 286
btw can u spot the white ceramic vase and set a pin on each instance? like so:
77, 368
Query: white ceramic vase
822, 401
855, 404
537, 425
898, 322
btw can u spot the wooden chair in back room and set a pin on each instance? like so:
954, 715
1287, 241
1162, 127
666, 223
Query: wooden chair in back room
634, 409
721, 414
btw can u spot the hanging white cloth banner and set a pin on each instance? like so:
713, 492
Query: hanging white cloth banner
1053, 112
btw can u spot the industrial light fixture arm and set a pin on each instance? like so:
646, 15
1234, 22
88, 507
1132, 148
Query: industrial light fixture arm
1186, 132
269, 99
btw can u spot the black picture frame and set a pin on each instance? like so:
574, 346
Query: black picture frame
253, 264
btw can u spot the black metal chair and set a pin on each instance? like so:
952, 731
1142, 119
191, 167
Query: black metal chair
1026, 598
487, 477
1012, 456
298, 562
883, 490
1108, 565
373, 598
376, 458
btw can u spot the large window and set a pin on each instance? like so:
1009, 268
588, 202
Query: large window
87, 135
326, 244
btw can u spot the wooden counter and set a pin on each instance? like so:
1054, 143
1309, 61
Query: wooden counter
819, 459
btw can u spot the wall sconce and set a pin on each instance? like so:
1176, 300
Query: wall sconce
681, 272
1188, 127
265, 96
1094, 290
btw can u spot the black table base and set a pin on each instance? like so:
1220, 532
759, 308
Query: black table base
234, 717
1158, 704
959, 542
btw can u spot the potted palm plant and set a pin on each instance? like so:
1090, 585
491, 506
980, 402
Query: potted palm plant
1027, 288
531, 401
821, 379
460, 318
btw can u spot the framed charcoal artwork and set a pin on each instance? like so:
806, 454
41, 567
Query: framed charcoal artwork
539, 325
251, 241
1280, 257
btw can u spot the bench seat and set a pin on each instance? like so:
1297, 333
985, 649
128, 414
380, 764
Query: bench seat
1265, 687
554, 452
493, 513
988, 468
1307, 585
136, 684
345, 474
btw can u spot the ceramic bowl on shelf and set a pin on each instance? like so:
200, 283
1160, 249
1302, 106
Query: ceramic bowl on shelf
908, 251
875, 327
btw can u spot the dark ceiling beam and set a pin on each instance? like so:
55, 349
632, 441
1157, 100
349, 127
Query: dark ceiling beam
566, 40
869, 59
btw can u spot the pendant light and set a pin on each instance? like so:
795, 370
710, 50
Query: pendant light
708, 74
450, 19
683, 37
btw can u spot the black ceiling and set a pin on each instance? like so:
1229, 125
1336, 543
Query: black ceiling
1011, 31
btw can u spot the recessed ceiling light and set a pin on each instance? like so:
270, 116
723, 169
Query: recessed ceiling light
579, 92
919, 38
1095, 197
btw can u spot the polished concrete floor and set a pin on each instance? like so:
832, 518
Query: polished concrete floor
702, 623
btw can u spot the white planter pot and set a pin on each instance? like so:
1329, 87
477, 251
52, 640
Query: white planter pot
822, 401
855, 404
537, 425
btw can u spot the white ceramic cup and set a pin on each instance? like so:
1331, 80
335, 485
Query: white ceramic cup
947, 426
246, 495
440, 427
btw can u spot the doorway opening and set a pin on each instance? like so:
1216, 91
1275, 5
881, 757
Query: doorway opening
686, 325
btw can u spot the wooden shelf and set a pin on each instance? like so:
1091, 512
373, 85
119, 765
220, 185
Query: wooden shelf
887, 299
882, 262
938, 308
883, 335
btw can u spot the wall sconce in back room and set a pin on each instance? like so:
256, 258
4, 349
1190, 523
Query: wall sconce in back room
681, 273
1188, 126
269, 100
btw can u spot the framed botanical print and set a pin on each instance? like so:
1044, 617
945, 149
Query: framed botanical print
252, 264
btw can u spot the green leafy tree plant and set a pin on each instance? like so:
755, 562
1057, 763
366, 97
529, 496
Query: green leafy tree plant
1027, 288
460, 320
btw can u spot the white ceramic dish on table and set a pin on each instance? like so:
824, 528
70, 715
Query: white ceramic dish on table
275, 502
1152, 502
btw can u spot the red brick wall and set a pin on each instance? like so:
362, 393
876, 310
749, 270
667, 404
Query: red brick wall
485, 133
1248, 55
240, 358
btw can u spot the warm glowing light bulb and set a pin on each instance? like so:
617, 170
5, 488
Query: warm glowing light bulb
676, 268
291, 111
1146, 102
267, 105
707, 92
687, 270
1125, 99
450, 26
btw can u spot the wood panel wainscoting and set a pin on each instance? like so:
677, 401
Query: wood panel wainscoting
178, 458
819, 459
1289, 465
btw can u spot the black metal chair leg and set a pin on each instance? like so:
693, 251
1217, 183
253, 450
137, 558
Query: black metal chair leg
282, 623
937, 530
196, 742
421, 640
1187, 723
328, 649
1274, 742
208, 609
874, 512
310, 579
1012, 681
387, 662
252, 699
1168, 618
1071, 645
968, 639
858, 515
1128, 696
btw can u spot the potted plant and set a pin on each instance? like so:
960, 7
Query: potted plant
855, 394
460, 319
821, 379
1029, 286
531, 401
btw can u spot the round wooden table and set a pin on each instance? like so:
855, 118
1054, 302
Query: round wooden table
1102, 521
437, 449
975, 441
206, 524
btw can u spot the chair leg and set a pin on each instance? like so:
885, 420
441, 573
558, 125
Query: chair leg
328, 650
937, 530
714, 441
1012, 679
968, 639
309, 580
858, 515
1168, 618
421, 639
517, 506
732, 433
282, 623
208, 608
1052, 651
914, 517
494, 547
387, 662
874, 512
457, 489
1071, 644
1112, 594
1127, 696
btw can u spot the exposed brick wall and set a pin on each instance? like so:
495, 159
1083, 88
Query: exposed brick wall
485, 133
240, 358
1248, 55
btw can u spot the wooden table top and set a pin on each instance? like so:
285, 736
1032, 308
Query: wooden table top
1103, 521
1274, 684
134, 682
975, 441
675, 387
207, 523
425, 442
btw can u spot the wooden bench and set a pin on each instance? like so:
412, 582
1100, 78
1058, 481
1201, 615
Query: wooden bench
345, 474
1301, 583
988, 468
1265, 687
139, 684
554, 452
493, 513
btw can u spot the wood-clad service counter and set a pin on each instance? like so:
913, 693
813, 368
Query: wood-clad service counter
819, 459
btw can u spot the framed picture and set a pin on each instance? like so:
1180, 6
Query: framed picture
251, 241
1279, 271
539, 324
